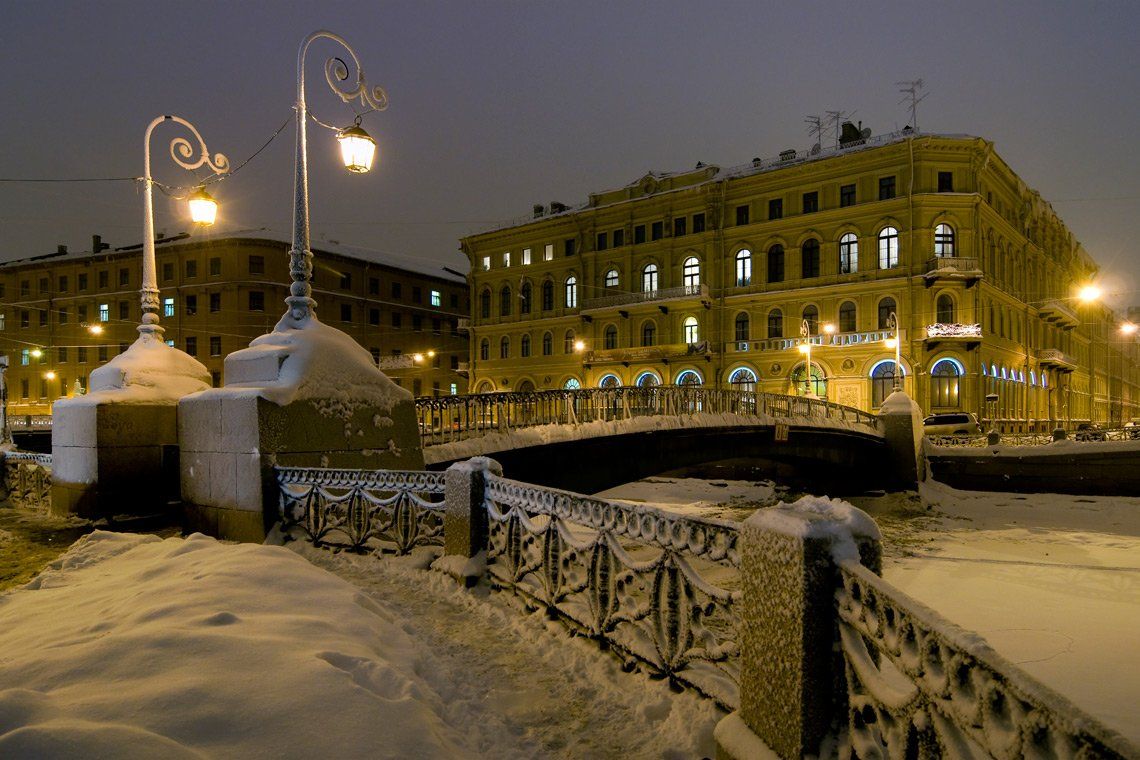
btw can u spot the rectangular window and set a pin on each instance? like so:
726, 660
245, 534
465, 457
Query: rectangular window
568, 247
25, 288
124, 310
25, 318
525, 256
417, 387
396, 320
82, 311
81, 355
373, 286
4, 318
374, 317
192, 346
215, 378
63, 318
104, 279
256, 265
548, 252
436, 325
602, 238
191, 305
886, 188
742, 215
167, 307
24, 388
776, 264
61, 355
698, 223
417, 294
846, 195
256, 300
945, 182
167, 274
776, 208
124, 278
506, 259
346, 312
454, 389
679, 226
123, 346
639, 234
216, 266
619, 238
346, 281
215, 302
454, 361
397, 290
417, 323
657, 231
215, 345
102, 353
104, 312
43, 317
191, 268
83, 280
811, 202
436, 298
45, 286
454, 300
62, 285
25, 356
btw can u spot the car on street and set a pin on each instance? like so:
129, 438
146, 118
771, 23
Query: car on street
952, 423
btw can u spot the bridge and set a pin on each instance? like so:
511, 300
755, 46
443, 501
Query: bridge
626, 433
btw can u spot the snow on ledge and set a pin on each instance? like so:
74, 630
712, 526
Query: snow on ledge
819, 517
148, 372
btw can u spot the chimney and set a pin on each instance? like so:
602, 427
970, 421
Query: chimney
61, 249
97, 244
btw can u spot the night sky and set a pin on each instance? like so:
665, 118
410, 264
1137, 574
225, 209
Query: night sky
496, 106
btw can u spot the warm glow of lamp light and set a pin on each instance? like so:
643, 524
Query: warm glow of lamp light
417, 358
95, 329
36, 353
1090, 293
49, 375
203, 207
1128, 328
829, 328
431, 354
357, 149
891, 342
579, 345
803, 347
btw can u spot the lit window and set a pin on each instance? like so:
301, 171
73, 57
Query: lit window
104, 312
571, 292
436, 298
26, 357
742, 326
743, 379
649, 278
611, 280
507, 259
848, 254
525, 256
486, 263
167, 308
548, 252
888, 248
691, 330
944, 241
454, 389
691, 274
572, 384
743, 268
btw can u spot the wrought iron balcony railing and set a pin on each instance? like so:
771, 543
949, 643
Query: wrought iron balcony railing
648, 296
865, 337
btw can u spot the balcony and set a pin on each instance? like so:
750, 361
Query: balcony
463, 368
948, 268
969, 335
1055, 358
867, 337
463, 324
402, 361
1057, 312
650, 296
648, 353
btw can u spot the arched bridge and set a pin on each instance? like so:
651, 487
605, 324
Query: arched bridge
596, 438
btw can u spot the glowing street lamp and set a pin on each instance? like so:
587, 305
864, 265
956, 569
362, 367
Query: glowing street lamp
579, 346
1128, 328
357, 149
49, 375
896, 344
95, 329
203, 207
36, 353
1089, 293
805, 349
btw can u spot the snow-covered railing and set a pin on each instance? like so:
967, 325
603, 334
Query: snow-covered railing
1036, 439
27, 479
363, 510
445, 419
958, 696
645, 582
29, 421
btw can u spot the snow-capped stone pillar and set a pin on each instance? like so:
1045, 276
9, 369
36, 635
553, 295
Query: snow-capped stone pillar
901, 419
465, 519
791, 677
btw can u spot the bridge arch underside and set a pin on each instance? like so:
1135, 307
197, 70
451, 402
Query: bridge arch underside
832, 462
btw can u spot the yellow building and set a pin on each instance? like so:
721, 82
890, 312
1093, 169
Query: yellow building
64, 314
713, 276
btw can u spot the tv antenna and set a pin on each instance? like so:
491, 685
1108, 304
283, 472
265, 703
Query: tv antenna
815, 129
834, 119
910, 94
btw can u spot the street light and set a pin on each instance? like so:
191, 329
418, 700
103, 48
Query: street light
805, 349
183, 153
357, 150
896, 344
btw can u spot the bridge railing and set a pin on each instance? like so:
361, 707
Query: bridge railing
445, 419
1036, 439
27, 479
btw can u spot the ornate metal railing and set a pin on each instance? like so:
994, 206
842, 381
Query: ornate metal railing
647, 296
363, 510
29, 421
27, 479
1037, 439
644, 582
958, 695
452, 418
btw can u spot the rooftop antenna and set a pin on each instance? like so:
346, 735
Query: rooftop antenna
834, 119
815, 129
910, 94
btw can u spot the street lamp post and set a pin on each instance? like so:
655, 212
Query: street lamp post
5, 430
805, 348
357, 150
896, 342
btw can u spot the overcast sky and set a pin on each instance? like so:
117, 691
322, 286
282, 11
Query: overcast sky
496, 106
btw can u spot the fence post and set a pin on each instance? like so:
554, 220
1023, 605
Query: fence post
465, 519
792, 690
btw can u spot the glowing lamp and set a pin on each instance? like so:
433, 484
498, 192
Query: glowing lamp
357, 149
95, 329
891, 342
803, 347
431, 354
203, 208
829, 328
579, 345
1089, 293
1128, 328
49, 375
36, 353
417, 358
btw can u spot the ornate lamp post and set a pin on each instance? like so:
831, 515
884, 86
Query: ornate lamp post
895, 343
805, 349
203, 209
357, 151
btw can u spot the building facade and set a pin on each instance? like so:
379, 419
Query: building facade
64, 314
719, 276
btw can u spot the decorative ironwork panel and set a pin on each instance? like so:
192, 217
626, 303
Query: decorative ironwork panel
363, 510
28, 479
920, 686
648, 584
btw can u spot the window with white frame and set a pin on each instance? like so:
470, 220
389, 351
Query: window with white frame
888, 248
848, 254
691, 274
486, 263
611, 279
436, 298
525, 256
691, 330
649, 278
548, 252
944, 241
104, 312
571, 292
167, 307
743, 267
743, 379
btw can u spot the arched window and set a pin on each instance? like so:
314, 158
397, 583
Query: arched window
647, 379
944, 241
847, 317
609, 381
743, 268
649, 334
689, 377
505, 301
524, 298
547, 295
743, 379
649, 278
572, 384
809, 258
547, 344
818, 381
691, 330
691, 274
611, 280
776, 263
944, 378
811, 316
485, 303
568, 342
526, 386
848, 254
571, 292
610, 340
882, 381
505, 347
484, 349
775, 324
945, 309
888, 248
524, 346
485, 387
742, 326
886, 308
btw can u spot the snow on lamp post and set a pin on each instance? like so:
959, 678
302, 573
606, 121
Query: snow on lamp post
357, 151
896, 343
805, 349
203, 209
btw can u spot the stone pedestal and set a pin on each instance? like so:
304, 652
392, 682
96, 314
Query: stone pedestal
901, 419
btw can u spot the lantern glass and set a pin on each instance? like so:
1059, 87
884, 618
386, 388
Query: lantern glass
203, 208
357, 149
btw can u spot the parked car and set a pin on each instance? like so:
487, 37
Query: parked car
955, 423
1090, 431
